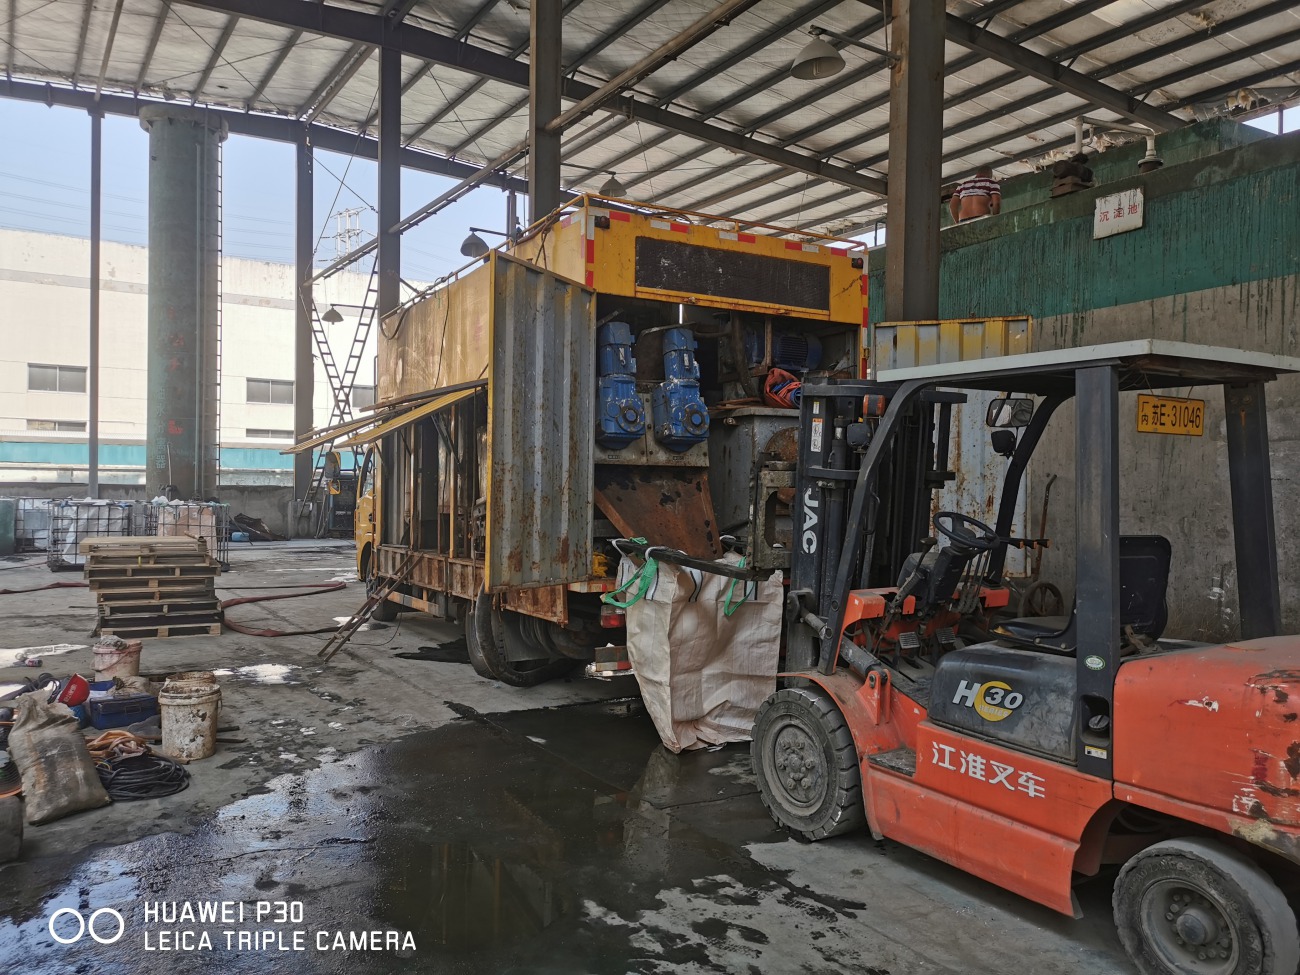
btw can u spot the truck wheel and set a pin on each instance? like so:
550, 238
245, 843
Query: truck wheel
1190, 906
487, 631
806, 764
385, 612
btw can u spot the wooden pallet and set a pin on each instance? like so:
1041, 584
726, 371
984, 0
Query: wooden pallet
96, 571
116, 597
171, 608
166, 584
160, 632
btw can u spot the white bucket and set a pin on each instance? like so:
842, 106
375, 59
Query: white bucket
189, 720
117, 660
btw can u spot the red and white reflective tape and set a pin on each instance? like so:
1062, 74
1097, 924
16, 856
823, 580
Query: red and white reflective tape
738, 238
796, 245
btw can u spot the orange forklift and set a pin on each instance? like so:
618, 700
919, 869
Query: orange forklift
1033, 751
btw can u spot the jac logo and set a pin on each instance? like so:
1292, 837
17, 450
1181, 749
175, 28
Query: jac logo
809, 538
992, 700
93, 926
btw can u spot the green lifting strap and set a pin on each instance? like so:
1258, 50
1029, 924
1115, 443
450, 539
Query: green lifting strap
646, 575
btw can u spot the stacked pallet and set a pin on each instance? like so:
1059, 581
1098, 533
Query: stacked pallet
153, 586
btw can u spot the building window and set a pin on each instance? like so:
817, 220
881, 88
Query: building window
363, 396
56, 379
269, 434
270, 391
59, 426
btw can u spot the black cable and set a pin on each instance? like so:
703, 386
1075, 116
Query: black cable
142, 777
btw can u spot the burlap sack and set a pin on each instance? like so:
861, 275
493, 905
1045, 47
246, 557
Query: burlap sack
59, 776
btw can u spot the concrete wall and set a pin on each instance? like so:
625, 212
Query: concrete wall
1217, 262
270, 503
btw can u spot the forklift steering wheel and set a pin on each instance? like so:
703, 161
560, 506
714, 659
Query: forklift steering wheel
965, 530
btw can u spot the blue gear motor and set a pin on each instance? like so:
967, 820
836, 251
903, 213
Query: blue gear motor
681, 420
622, 415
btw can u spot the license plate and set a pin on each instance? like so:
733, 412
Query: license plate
1166, 414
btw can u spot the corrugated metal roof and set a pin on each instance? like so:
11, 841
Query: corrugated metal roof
1188, 58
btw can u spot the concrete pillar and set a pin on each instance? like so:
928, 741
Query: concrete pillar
544, 57
181, 452
915, 151
92, 388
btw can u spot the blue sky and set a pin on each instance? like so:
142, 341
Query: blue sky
45, 185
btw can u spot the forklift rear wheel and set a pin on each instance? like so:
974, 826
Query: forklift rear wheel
806, 764
1190, 906
486, 632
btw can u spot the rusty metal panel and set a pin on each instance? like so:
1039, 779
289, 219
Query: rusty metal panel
541, 395
900, 345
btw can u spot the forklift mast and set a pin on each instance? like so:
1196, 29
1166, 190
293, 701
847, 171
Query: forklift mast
836, 425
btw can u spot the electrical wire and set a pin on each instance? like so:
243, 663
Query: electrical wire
142, 777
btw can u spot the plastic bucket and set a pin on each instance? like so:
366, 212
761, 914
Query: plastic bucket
189, 719
117, 661
191, 680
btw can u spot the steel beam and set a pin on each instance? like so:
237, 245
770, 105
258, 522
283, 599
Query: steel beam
545, 45
92, 385
108, 47
915, 141
285, 50
304, 371
334, 81
217, 50
1049, 71
586, 55
416, 42
273, 127
81, 41
390, 179
652, 62
154, 37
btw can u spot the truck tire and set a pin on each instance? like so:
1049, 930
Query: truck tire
806, 764
486, 632
1193, 905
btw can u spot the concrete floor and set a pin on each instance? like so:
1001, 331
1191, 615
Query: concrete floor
508, 831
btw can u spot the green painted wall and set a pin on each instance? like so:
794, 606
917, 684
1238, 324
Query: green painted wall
1221, 219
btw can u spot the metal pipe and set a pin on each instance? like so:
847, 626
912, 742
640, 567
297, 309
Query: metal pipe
304, 374
92, 387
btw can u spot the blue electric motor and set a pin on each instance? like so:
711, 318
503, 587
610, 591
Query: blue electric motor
680, 417
621, 416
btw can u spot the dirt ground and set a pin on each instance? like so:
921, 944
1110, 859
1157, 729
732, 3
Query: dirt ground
384, 812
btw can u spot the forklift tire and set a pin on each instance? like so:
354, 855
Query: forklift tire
806, 764
1191, 905
485, 636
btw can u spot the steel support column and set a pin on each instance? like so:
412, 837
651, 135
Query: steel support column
304, 372
544, 73
390, 179
92, 385
915, 147
1249, 473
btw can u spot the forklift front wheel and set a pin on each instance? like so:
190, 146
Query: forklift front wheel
1190, 906
806, 764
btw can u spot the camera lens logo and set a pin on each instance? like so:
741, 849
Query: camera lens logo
91, 926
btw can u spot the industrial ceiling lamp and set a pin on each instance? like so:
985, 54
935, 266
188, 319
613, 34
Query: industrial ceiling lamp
332, 315
474, 245
612, 187
817, 60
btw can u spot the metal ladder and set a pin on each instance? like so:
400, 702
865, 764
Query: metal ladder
344, 634
341, 383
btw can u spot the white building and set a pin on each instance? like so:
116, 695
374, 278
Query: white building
45, 298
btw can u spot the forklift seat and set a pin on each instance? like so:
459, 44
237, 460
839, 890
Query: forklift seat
1143, 581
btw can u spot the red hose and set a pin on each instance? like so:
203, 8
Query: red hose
312, 587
